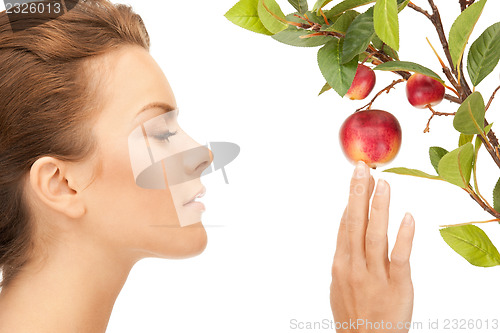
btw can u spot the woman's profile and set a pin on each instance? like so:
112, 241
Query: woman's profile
91, 155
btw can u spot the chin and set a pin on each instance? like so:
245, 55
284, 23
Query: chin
198, 240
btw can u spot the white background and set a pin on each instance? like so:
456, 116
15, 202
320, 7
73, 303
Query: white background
272, 229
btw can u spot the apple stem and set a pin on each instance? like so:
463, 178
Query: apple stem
386, 89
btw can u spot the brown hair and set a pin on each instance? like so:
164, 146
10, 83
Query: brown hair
47, 98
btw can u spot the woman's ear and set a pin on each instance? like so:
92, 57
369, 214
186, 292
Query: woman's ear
51, 183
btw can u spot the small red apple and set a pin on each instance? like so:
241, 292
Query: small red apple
363, 83
423, 90
371, 136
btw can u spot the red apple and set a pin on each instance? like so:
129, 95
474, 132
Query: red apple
363, 83
423, 90
371, 136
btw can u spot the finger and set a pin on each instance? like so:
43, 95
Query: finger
400, 255
376, 231
371, 186
342, 246
357, 211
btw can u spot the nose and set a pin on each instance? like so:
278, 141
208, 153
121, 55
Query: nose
197, 158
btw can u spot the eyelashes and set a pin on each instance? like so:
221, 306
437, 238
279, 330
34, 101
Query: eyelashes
163, 136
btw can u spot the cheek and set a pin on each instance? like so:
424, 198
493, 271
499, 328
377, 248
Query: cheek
128, 216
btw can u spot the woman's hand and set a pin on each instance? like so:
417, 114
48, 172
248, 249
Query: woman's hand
369, 293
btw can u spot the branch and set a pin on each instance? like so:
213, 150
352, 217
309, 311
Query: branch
452, 98
463, 81
493, 146
487, 208
463, 4
418, 9
435, 19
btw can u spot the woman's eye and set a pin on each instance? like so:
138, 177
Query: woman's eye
164, 136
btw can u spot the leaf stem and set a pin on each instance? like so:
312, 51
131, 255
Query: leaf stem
467, 223
450, 88
437, 55
324, 17
279, 18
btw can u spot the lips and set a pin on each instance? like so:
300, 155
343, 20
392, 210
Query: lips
198, 194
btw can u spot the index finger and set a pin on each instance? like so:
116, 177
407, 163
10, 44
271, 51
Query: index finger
357, 211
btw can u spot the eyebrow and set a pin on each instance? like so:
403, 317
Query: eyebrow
165, 106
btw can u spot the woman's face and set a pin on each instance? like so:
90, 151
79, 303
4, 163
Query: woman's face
131, 219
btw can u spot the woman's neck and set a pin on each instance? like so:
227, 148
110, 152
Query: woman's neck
73, 290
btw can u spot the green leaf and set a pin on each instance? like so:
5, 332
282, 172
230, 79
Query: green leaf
461, 30
435, 154
320, 4
487, 128
343, 22
402, 5
484, 54
412, 172
455, 167
299, 5
385, 20
408, 66
469, 118
496, 196
358, 36
464, 138
268, 20
473, 244
245, 14
477, 144
379, 44
345, 5
326, 87
339, 76
291, 36
313, 17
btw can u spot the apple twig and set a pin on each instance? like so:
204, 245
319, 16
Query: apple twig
436, 113
491, 98
386, 89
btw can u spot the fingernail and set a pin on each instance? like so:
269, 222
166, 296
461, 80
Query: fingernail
408, 219
381, 187
360, 170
